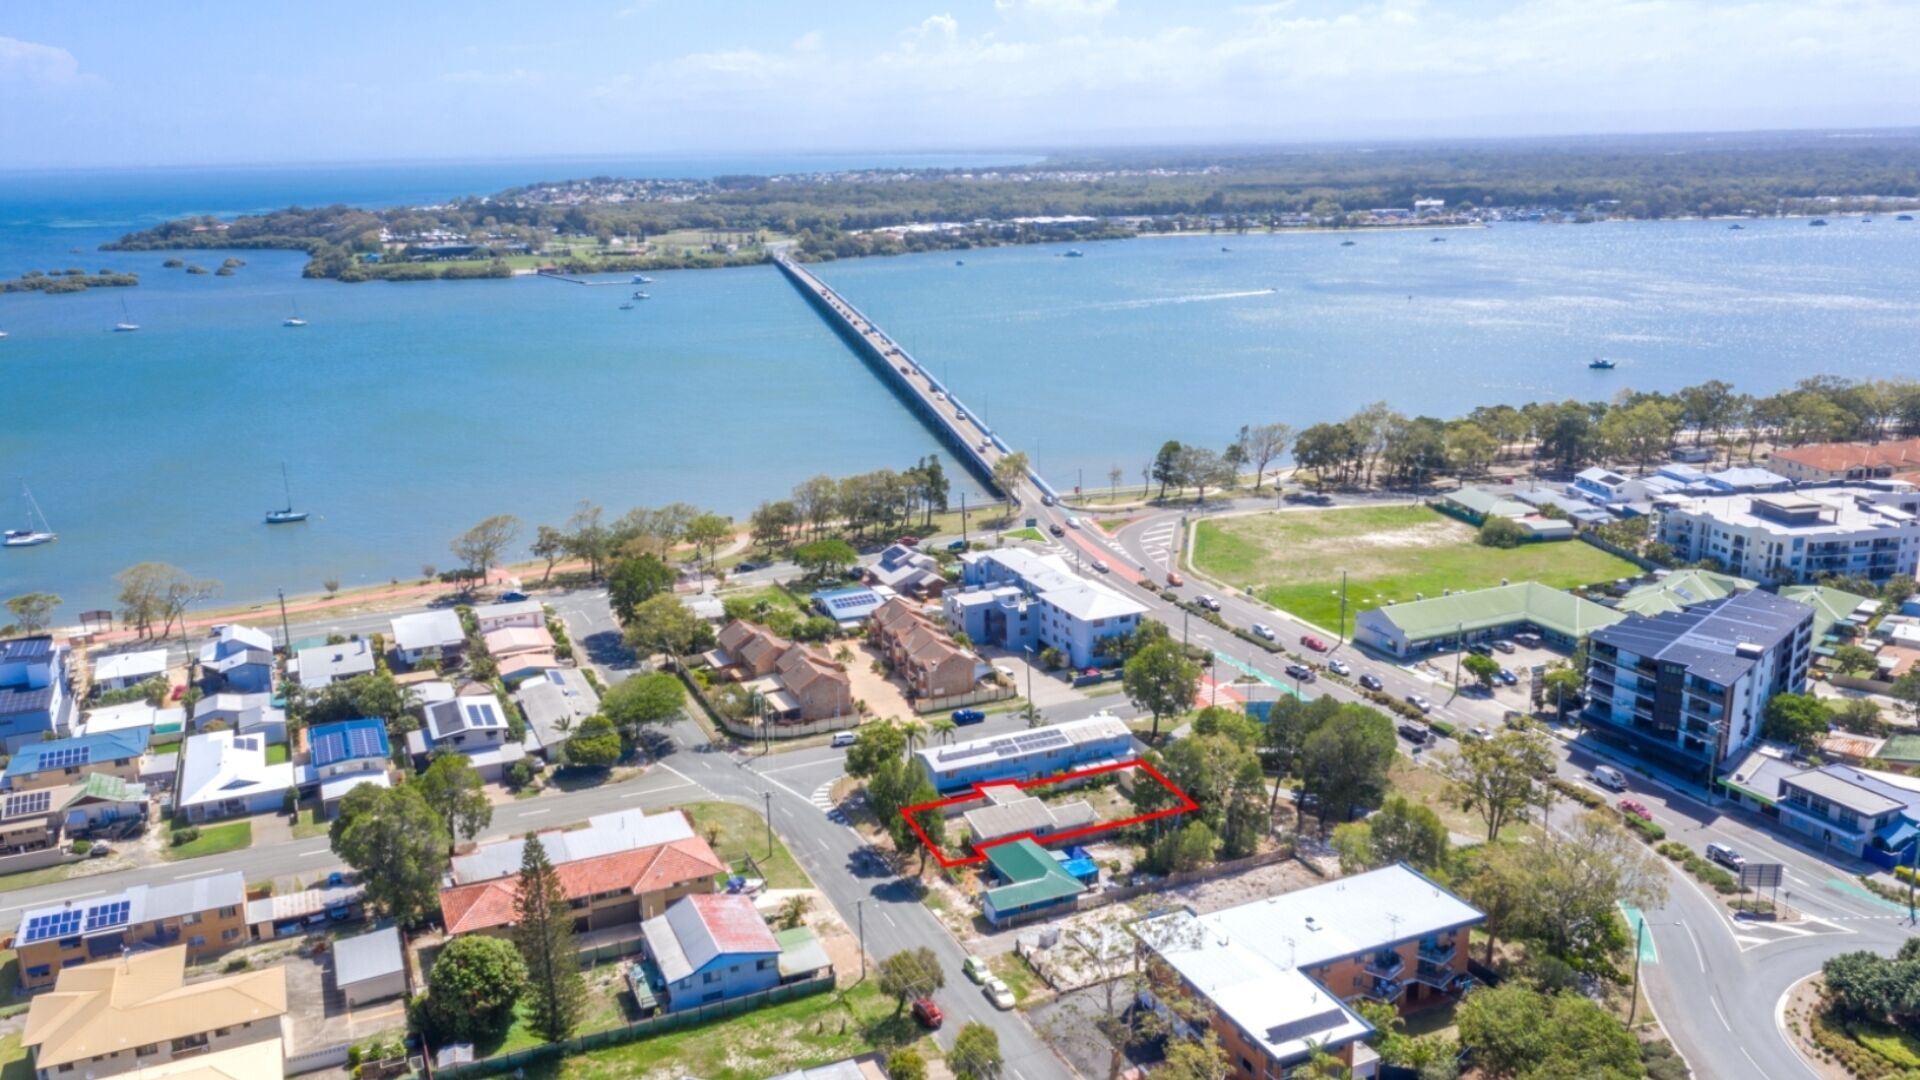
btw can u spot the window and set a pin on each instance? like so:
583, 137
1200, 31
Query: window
229, 935
222, 1031
148, 1050
710, 977
764, 965
197, 940
191, 1042
39, 971
190, 919
229, 912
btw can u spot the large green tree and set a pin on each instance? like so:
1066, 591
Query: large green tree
595, 743
1496, 778
397, 844
976, 1052
1160, 679
377, 694
634, 581
456, 793
876, 744
644, 699
1344, 763
473, 986
31, 611
481, 546
1800, 719
1519, 1033
664, 625
910, 973
543, 932
824, 558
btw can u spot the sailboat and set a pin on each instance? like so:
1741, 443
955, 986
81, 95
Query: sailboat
294, 319
30, 536
288, 515
126, 325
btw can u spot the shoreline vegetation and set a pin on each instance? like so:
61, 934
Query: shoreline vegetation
611, 224
71, 280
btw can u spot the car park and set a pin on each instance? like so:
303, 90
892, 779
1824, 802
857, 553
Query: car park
968, 716
1371, 681
1339, 667
1313, 643
1262, 630
1636, 808
997, 992
975, 969
1300, 672
1420, 703
927, 1014
844, 738
1480, 648
1530, 639
1608, 777
1726, 857
1414, 733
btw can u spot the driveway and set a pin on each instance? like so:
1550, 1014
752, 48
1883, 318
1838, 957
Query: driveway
884, 697
1048, 689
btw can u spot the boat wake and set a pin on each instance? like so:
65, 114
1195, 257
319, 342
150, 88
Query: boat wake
1196, 298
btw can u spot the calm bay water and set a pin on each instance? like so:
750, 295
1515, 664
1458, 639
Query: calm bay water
407, 412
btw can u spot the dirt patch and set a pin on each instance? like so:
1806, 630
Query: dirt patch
883, 696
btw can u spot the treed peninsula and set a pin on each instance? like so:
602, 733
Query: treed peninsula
606, 223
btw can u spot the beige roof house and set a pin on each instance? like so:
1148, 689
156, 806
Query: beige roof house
140, 1005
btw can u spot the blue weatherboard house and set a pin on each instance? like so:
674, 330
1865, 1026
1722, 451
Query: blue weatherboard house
709, 947
33, 690
343, 755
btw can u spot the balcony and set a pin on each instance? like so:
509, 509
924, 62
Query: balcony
1387, 990
1438, 976
1385, 965
1439, 953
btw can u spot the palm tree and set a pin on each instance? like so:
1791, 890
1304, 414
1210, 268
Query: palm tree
913, 730
943, 729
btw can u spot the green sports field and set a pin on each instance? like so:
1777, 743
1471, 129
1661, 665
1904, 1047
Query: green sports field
1293, 559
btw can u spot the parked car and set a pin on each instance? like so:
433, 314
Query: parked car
927, 1014
1305, 802
1415, 733
1313, 643
1046, 500
1311, 498
1608, 777
1339, 667
1209, 602
1056, 530
1530, 639
997, 992
844, 738
745, 567
1100, 565
1636, 808
512, 597
1504, 646
1262, 630
1300, 672
968, 716
1726, 857
908, 541
975, 969
1420, 703
1175, 580
1371, 681
1507, 678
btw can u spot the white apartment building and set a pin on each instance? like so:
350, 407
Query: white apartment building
1795, 537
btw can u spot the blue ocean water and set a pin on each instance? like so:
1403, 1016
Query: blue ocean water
407, 412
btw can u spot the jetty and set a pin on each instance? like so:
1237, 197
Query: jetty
957, 426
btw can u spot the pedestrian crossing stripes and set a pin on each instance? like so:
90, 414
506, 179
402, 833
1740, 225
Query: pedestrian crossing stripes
822, 797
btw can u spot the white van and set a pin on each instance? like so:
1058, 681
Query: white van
1609, 777
844, 738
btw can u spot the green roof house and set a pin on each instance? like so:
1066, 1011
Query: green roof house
1830, 606
1682, 589
1032, 880
1558, 616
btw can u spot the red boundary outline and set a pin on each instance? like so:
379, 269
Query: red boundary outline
978, 791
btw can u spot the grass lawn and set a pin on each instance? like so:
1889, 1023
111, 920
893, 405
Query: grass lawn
740, 831
1427, 787
1018, 976
775, 598
1027, 534
14, 1063
27, 879
213, 840
1294, 558
607, 1007
307, 826
1113, 524
277, 754
793, 1035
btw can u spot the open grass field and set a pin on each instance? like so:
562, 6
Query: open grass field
1293, 559
739, 831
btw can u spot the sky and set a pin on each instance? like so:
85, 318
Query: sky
115, 83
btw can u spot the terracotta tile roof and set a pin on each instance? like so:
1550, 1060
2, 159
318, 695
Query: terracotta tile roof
1838, 457
485, 904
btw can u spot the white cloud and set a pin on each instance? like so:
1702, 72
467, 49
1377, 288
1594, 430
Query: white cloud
809, 42
34, 64
494, 76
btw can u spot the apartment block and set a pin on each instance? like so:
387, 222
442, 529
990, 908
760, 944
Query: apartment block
204, 916
1864, 531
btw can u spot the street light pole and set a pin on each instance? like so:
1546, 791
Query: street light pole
768, 796
1343, 607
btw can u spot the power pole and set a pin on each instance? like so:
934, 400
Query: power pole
1343, 608
860, 915
285, 632
768, 796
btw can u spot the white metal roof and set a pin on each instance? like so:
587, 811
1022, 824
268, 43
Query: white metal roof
130, 665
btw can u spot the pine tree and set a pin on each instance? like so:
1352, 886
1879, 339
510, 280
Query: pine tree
543, 930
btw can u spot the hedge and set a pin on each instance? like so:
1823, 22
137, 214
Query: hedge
1650, 831
1441, 728
1709, 873
1577, 793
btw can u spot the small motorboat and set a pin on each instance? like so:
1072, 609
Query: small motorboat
294, 320
1736, 225
1436, 240
639, 295
3, 333
1601, 363
1225, 248
1904, 217
1346, 243
642, 279
959, 262
1073, 253
1817, 222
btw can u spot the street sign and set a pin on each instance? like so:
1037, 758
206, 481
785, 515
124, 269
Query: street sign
1761, 875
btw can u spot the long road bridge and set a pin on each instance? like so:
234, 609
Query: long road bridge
963, 431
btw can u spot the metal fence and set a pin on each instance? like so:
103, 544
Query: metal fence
656, 1025
957, 701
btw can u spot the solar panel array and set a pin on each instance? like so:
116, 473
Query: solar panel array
338, 745
32, 802
364, 741
66, 757
103, 916
58, 924
1007, 746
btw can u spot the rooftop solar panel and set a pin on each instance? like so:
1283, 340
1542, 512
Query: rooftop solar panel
104, 916
59, 924
33, 802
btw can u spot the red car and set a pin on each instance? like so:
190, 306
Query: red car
908, 541
1313, 643
926, 1013
1636, 808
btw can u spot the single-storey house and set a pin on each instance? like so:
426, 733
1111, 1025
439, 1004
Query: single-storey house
710, 947
247, 714
908, 572
65, 761
429, 635
472, 724
166, 724
1030, 880
240, 658
1010, 811
370, 967
323, 665
553, 705
101, 800
225, 774
121, 671
1405, 630
529, 614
